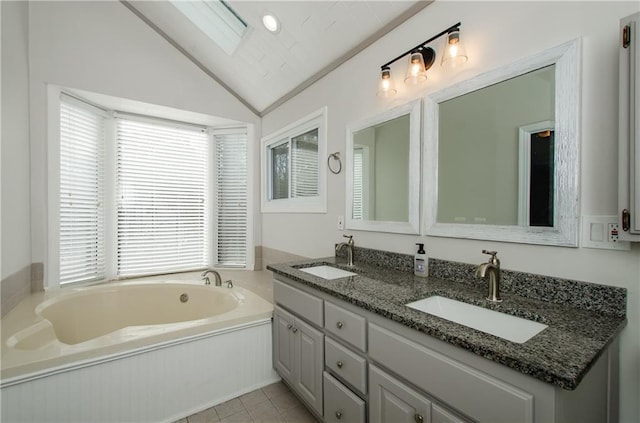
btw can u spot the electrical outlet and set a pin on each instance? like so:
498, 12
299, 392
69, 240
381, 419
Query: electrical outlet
602, 232
341, 223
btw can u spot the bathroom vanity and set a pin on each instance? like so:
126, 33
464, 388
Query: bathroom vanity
352, 350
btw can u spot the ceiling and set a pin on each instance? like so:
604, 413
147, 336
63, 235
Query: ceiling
267, 68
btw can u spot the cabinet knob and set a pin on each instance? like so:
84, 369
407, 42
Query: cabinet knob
418, 418
339, 324
338, 415
294, 330
339, 364
289, 326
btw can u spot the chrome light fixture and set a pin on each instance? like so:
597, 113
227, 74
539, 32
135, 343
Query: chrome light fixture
421, 57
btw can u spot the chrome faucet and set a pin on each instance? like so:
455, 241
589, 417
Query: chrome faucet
493, 267
349, 244
206, 280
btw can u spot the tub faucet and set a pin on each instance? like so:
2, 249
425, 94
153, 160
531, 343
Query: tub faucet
349, 244
493, 267
206, 280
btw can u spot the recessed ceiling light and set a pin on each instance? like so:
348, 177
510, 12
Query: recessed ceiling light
271, 23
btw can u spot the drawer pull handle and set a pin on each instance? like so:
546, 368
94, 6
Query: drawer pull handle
294, 330
339, 324
338, 415
339, 364
418, 418
289, 326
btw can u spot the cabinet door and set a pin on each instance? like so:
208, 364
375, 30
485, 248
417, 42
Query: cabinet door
392, 401
440, 415
309, 363
629, 129
283, 345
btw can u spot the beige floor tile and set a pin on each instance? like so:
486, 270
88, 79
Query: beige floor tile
253, 398
207, 416
285, 401
266, 413
241, 417
275, 389
229, 408
299, 415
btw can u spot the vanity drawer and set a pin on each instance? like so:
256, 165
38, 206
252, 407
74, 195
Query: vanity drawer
346, 325
340, 404
347, 364
459, 385
298, 301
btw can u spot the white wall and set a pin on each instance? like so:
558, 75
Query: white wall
16, 246
103, 47
494, 34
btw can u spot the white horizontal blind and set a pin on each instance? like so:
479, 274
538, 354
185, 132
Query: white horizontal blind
304, 165
82, 252
357, 212
231, 199
162, 186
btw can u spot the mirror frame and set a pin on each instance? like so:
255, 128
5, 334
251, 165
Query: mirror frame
412, 226
566, 57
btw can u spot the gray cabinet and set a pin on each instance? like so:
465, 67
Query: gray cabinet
340, 404
299, 356
413, 377
629, 129
393, 401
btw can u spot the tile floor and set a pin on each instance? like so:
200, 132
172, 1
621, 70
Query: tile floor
271, 404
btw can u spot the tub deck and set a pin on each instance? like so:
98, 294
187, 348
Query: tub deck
49, 354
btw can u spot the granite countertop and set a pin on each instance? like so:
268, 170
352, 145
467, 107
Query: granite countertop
560, 355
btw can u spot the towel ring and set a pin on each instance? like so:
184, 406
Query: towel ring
335, 156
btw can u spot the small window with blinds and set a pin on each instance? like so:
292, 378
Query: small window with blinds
162, 200
231, 197
294, 179
81, 203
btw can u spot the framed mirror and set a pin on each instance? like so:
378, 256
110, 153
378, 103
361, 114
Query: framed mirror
501, 153
383, 171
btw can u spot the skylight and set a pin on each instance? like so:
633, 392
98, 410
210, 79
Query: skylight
216, 20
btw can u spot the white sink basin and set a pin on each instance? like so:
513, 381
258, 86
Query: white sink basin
327, 272
505, 326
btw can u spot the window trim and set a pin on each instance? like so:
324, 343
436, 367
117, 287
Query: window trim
315, 204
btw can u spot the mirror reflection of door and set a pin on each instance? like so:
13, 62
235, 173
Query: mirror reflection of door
541, 179
536, 174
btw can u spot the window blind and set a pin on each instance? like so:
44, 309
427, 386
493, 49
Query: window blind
304, 165
162, 201
231, 199
81, 236
357, 212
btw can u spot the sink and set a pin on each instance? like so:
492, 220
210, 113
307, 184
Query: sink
505, 326
327, 272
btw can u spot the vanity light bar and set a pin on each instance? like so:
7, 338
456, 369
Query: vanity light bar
455, 52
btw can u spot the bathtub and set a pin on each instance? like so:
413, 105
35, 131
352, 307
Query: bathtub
135, 351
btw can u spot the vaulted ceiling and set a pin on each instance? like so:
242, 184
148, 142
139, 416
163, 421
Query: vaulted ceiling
268, 68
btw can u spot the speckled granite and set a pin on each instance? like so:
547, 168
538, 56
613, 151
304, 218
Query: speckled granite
602, 299
560, 355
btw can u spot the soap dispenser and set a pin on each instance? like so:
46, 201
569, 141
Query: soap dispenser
421, 262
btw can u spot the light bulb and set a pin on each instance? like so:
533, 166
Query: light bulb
415, 72
454, 53
386, 88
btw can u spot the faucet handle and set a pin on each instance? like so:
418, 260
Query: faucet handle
493, 254
350, 238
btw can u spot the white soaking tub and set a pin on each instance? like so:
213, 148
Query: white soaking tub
136, 351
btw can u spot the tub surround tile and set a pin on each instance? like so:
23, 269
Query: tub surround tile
14, 288
579, 328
